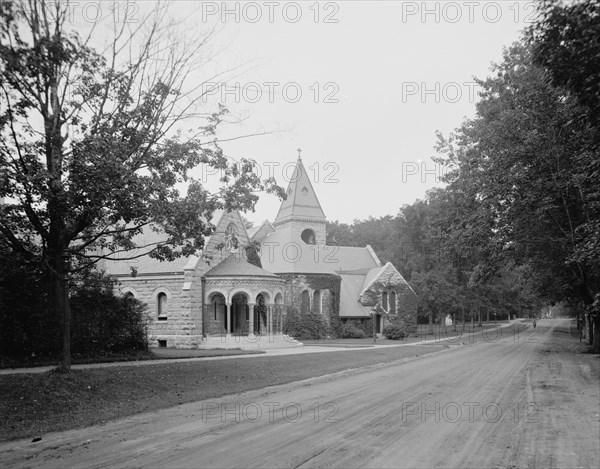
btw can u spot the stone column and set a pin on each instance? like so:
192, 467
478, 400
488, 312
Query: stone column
228, 331
280, 312
251, 319
270, 319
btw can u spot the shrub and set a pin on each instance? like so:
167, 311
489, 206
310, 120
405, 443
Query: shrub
307, 326
394, 332
104, 322
29, 329
351, 331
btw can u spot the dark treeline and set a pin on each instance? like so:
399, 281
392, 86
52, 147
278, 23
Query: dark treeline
517, 224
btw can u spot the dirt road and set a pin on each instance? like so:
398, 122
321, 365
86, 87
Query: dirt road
525, 400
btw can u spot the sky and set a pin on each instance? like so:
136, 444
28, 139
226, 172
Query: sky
360, 87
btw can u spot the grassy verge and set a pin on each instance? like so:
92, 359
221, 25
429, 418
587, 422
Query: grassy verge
437, 333
131, 356
34, 404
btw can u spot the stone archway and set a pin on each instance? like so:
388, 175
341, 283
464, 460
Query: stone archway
239, 314
216, 314
261, 313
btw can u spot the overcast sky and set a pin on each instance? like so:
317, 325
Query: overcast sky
361, 87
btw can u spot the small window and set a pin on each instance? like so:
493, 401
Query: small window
161, 306
308, 236
305, 191
162, 343
393, 302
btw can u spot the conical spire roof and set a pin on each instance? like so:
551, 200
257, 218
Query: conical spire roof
302, 201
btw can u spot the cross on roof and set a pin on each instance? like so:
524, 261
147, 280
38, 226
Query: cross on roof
299, 151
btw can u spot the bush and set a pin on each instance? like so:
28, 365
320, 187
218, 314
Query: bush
29, 329
27, 325
103, 322
394, 332
351, 331
307, 326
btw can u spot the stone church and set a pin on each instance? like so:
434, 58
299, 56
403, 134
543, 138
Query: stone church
219, 299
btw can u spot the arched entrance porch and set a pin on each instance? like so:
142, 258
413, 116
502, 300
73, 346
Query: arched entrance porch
249, 293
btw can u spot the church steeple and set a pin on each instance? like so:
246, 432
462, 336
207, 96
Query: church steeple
301, 209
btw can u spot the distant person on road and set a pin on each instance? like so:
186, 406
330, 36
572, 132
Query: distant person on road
534, 323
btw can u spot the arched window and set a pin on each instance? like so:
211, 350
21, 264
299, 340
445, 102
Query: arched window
161, 306
129, 292
393, 302
384, 300
305, 301
317, 302
308, 236
231, 238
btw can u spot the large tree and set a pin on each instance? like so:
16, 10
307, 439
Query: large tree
92, 151
528, 159
566, 42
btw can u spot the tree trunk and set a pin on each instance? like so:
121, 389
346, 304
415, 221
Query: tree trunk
487, 316
430, 330
479, 316
596, 335
61, 303
66, 349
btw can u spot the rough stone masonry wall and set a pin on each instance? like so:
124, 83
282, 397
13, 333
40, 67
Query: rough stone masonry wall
177, 329
406, 299
328, 284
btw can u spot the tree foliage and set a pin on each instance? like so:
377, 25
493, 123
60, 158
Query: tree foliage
92, 151
103, 322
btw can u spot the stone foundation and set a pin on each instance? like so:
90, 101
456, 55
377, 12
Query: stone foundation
186, 342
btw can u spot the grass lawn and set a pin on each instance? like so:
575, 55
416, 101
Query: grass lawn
163, 353
152, 354
34, 404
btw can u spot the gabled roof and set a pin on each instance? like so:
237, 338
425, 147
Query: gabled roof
258, 233
284, 252
146, 264
301, 198
252, 231
376, 274
351, 288
236, 265
356, 283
